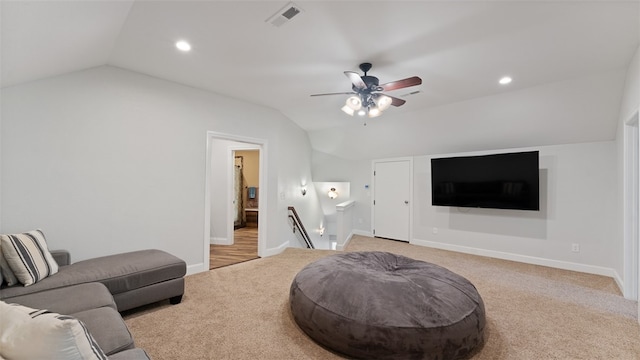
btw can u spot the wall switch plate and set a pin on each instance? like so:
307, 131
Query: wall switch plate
575, 247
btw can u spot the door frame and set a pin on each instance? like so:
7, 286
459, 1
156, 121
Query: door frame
262, 146
631, 199
373, 182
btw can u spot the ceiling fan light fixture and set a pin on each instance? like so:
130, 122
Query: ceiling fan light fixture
383, 102
374, 112
362, 112
354, 102
348, 110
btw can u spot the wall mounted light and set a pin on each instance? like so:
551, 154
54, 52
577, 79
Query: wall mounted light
303, 190
332, 193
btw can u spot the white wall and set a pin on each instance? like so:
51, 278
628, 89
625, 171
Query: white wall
294, 172
577, 205
106, 160
328, 205
359, 174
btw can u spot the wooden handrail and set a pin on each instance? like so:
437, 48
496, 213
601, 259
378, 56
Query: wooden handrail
297, 223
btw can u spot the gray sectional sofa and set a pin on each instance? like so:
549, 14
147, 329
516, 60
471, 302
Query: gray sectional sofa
92, 304
96, 290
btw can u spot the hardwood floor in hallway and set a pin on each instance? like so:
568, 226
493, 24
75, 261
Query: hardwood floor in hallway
244, 248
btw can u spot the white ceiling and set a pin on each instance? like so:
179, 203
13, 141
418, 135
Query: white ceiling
459, 48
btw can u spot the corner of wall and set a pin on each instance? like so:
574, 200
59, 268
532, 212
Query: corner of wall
276, 250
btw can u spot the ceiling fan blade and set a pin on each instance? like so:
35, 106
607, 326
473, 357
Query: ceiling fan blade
356, 80
339, 93
396, 101
399, 84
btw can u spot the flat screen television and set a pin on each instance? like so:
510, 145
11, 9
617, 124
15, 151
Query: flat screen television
497, 181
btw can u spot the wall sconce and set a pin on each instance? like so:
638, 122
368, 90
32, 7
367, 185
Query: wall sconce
332, 193
303, 190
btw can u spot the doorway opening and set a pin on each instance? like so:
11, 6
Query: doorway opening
245, 187
234, 205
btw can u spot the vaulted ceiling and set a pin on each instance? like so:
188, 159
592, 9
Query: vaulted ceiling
567, 59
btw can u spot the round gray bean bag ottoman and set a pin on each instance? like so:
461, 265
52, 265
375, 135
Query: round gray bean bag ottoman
378, 305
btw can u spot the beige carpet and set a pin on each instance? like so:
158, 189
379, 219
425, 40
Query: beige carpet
533, 312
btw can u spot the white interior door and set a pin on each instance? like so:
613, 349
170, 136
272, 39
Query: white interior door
392, 197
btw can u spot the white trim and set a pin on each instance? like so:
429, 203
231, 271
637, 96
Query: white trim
633, 118
261, 145
631, 199
362, 233
345, 205
618, 280
196, 268
565, 265
276, 250
220, 241
230, 194
346, 242
207, 205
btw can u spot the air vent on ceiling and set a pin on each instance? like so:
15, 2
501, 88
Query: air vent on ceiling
284, 15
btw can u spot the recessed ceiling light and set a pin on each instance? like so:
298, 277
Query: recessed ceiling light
183, 45
505, 80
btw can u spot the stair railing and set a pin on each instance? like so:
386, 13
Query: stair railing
297, 223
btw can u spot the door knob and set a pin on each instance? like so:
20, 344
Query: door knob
406, 201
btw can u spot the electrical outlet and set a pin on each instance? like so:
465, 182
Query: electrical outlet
435, 230
575, 247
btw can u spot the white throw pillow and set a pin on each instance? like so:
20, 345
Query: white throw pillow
27, 333
28, 256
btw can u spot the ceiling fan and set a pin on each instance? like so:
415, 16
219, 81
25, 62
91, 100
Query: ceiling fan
367, 98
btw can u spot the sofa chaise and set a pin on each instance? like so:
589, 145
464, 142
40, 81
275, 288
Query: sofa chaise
71, 310
134, 279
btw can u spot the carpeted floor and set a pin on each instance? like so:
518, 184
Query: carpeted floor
533, 312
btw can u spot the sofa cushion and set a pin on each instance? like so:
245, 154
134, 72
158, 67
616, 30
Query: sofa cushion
38, 334
69, 300
108, 328
28, 256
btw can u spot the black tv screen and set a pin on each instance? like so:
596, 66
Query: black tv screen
498, 181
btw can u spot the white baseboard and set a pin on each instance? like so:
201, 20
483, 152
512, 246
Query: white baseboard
276, 250
619, 282
565, 265
220, 241
196, 268
340, 247
362, 233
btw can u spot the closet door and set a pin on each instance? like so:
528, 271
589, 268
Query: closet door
391, 200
